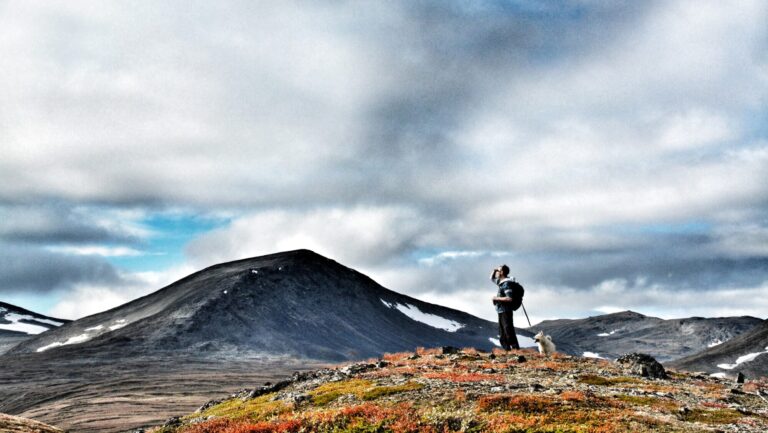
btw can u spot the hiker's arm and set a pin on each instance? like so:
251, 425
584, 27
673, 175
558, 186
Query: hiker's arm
507, 291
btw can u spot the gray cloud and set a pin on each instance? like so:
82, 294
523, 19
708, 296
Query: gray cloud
28, 269
560, 134
51, 223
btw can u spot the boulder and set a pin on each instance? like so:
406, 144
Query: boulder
643, 365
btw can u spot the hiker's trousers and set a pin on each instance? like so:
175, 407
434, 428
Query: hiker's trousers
507, 335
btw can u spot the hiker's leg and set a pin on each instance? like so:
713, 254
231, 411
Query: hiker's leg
503, 333
511, 334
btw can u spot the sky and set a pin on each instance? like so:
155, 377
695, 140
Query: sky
614, 154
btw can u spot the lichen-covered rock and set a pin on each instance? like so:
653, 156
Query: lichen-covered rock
643, 365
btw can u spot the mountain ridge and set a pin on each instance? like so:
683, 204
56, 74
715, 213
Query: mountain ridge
610, 335
18, 324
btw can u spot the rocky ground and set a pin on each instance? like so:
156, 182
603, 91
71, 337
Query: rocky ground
442, 390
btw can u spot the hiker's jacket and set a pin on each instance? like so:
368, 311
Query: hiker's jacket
505, 291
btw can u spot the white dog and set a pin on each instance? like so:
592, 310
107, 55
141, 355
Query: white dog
546, 346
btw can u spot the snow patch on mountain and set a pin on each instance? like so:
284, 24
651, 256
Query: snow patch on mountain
432, 320
118, 324
592, 355
742, 359
715, 343
72, 340
606, 334
89, 334
19, 326
521, 339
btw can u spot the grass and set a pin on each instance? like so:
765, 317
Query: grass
716, 416
259, 408
360, 388
592, 379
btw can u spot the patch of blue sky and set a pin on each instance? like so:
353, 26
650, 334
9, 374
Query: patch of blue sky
433, 256
168, 234
529, 8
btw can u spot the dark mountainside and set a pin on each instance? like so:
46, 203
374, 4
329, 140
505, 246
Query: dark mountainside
18, 324
296, 303
611, 335
728, 354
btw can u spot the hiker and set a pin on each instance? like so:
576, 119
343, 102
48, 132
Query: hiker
504, 306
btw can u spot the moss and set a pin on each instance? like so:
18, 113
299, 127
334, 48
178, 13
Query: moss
326, 393
362, 427
591, 379
260, 408
362, 389
654, 402
717, 416
381, 391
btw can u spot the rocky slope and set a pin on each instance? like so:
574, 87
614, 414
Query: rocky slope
746, 354
296, 303
610, 335
468, 391
18, 324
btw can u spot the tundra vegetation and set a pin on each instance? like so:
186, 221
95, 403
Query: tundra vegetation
438, 391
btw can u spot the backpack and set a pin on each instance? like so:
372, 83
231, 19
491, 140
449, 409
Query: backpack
517, 294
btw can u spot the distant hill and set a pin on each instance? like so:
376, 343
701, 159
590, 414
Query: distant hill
611, 335
747, 353
18, 324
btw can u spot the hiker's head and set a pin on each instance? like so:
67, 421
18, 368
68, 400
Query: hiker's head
503, 271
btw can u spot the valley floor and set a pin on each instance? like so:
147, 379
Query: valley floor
114, 396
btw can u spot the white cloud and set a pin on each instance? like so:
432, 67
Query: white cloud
358, 236
372, 137
96, 250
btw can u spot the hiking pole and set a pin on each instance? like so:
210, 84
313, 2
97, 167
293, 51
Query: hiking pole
526, 315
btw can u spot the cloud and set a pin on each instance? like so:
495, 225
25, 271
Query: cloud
59, 222
423, 143
28, 269
362, 235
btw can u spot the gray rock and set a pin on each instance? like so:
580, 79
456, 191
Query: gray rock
643, 365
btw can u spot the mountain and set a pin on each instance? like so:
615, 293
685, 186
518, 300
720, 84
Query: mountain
468, 391
747, 353
18, 324
610, 335
296, 303
250, 320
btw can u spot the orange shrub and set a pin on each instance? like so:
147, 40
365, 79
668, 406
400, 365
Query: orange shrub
519, 403
399, 356
464, 377
432, 351
573, 396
